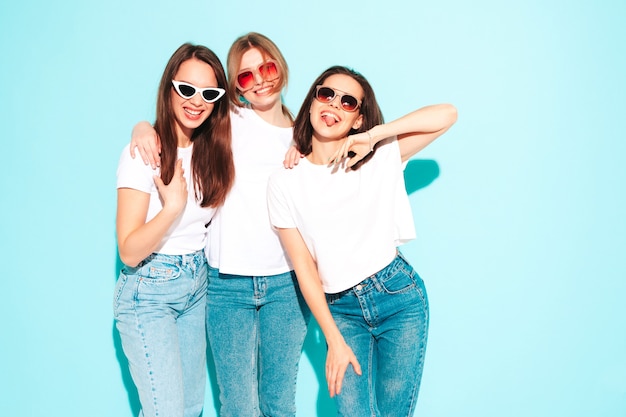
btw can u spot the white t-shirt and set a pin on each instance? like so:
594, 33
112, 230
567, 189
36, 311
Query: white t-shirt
351, 221
188, 233
241, 238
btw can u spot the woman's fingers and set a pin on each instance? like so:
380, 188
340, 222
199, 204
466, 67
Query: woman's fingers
337, 364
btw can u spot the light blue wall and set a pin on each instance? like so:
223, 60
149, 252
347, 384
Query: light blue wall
522, 231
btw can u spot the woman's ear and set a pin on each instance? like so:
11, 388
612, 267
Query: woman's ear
358, 122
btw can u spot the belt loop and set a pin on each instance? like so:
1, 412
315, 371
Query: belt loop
376, 281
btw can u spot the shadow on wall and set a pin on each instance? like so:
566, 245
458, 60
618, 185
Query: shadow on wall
418, 174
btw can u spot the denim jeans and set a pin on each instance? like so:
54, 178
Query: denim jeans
256, 327
384, 320
159, 308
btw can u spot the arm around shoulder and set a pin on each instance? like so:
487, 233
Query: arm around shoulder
146, 140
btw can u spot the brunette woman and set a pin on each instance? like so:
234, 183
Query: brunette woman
341, 213
160, 296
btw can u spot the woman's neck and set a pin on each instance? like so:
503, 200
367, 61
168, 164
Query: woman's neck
183, 136
322, 150
184, 141
273, 114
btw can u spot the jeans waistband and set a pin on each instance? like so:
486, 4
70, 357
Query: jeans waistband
373, 280
193, 258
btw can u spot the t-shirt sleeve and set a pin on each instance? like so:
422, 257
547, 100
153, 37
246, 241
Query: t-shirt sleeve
278, 205
133, 173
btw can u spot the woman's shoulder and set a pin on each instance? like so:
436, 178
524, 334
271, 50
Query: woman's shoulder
240, 112
287, 177
136, 164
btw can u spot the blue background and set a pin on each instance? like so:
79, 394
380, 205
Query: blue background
519, 209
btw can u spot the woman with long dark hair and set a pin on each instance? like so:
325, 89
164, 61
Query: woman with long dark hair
162, 218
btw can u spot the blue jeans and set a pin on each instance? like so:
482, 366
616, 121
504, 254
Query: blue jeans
256, 327
384, 320
159, 308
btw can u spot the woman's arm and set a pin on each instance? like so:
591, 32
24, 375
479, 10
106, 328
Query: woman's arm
137, 239
418, 129
415, 131
339, 354
145, 139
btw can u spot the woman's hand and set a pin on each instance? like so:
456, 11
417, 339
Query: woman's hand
338, 359
147, 142
356, 147
339, 355
174, 194
292, 157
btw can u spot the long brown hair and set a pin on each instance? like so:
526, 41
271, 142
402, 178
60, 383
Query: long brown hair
269, 50
372, 115
212, 166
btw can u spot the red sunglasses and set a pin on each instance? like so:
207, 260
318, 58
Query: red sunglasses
268, 71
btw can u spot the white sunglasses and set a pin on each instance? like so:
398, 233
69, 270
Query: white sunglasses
187, 91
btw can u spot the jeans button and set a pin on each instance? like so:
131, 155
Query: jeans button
359, 287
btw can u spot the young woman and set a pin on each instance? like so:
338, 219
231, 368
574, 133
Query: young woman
160, 296
340, 215
257, 318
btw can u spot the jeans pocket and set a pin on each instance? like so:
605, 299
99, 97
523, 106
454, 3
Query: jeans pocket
160, 271
158, 282
398, 282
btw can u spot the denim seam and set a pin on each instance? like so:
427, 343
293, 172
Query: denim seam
370, 382
147, 357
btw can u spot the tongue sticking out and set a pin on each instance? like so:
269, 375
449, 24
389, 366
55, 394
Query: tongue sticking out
330, 120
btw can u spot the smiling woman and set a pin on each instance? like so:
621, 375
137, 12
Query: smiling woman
160, 296
193, 105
